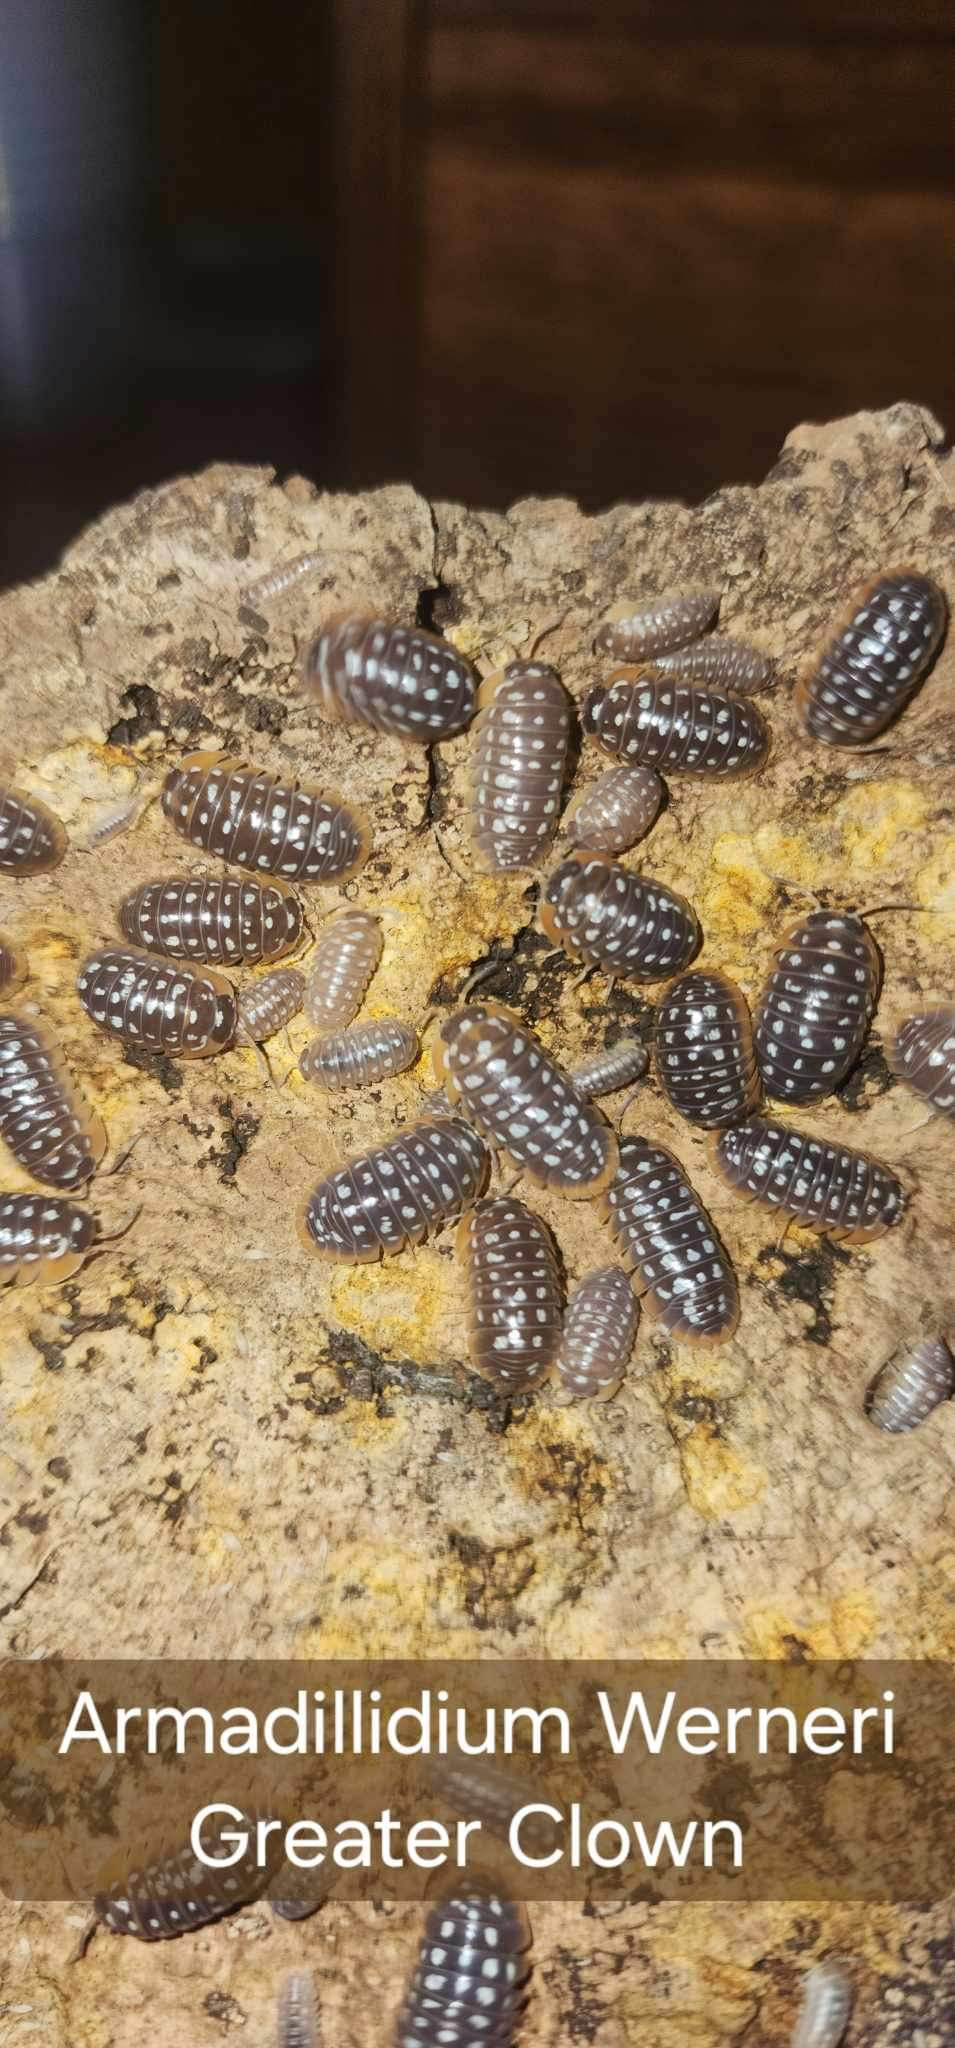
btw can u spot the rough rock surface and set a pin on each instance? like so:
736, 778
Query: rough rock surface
213, 1443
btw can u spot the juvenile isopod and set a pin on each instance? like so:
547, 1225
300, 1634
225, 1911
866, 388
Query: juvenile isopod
615, 1066
173, 1891
163, 1008
665, 1236
345, 958
705, 1061
634, 632
259, 821
13, 966
43, 1238
483, 1791
923, 1054
614, 813
399, 679
599, 1330
727, 664
521, 735
298, 2013
514, 1294
827, 1188
909, 1387
817, 1004
363, 1054
51, 1132
826, 2005
473, 1966
876, 659
276, 581
394, 1194
32, 839
268, 1004
628, 926
191, 919
116, 819
676, 727
522, 1101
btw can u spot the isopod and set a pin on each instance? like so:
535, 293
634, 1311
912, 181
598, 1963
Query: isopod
816, 1007
31, 838
634, 632
923, 1054
907, 1388
522, 1101
599, 1330
163, 1008
522, 733
827, 1188
826, 2005
13, 966
399, 679
515, 1295
267, 1004
298, 2013
665, 1236
876, 659
348, 951
363, 1054
394, 1194
614, 813
257, 820
191, 919
43, 1238
632, 928
727, 664
473, 1966
675, 726
48, 1128
276, 581
174, 1891
705, 1061
483, 1791
116, 819
616, 1066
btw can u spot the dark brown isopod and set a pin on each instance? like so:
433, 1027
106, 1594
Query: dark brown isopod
630, 927
42, 1238
705, 1060
674, 726
348, 951
190, 919
599, 1328
827, 1188
298, 2013
664, 1235
615, 812
268, 1004
908, 1388
473, 1966
398, 679
31, 838
363, 1054
815, 1010
521, 735
257, 820
394, 1194
633, 632
167, 1009
48, 1128
489, 1793
728, 664
923, 1054
173, 1892
876, 659
13, 966
616, 1066
515, 1296
522, 1101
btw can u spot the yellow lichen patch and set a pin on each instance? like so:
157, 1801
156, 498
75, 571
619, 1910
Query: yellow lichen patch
845, 1631
384, 1605
395, 1308
934, 886
733, 906
82, 774
873, 818
718, 1480
182, 1343
552, 1454
221, 1535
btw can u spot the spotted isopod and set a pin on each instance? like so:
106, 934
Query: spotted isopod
705, 1061
515, 1299
399, 679
266, 1005
632, 928
521, 734
470, 1983
345, 958
876, 659
173, 1891
298, 2012
614, 813
190, 919
817, 1004
729, 664
522, 1101
167, 1009
32, 839
394, 1194
675, 726
828, 1188
909, 1387
599, 1330
923, 1054
616, 1066
43, 1238
665, 1236
51, 1132
634, 632
259, 821
826, 2005
13, 966
363, 1054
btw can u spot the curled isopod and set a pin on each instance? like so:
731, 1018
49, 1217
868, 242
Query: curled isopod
729, 664
705, 1060
676, 727
616, 1066
599, 1330
13, 966
163, 1008
32, 839
259, 821
634, 632
43, 1238
522, 1101
630, 927
923, 1054
515, 1294
51, 1132
828, 1188
171, 1892
276, 581
473, 1966
399, 679
826, 2005
615, 812
298, 2012
345, 958
907, 1388
363, 1054
521, 735
877, 658
817, 1005
665, 1236
268, 1004
394, 1194
191, 919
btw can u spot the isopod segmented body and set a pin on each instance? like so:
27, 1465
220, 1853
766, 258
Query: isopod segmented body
908, 1388
633, 632
469, 1985
348, 951
522, 1101
599, 1329
48, 1128
827, 1188
32, 839
615, 812
298, 2013
827, 2003
43, 1238
278, 580
665, 1236
398, 679
167, 1009
394, 1194
923, 1054
876, 659
259, 821
674, 726
363, 1054
630, 927
817, 1005
190, 919
515, 1296
616, 1066
13, 966
474, 1786
729, 664
705, 1061
268, 1004
173, 1891
522, 733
